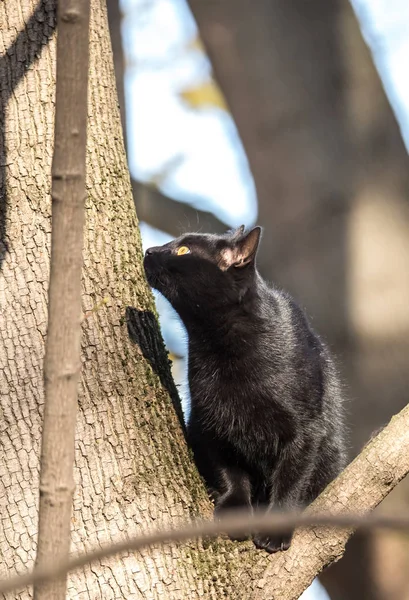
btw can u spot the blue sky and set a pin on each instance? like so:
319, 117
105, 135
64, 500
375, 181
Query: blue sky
209, 161
385, 26
203, 145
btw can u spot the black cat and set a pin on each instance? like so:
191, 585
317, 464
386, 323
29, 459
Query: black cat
266, 424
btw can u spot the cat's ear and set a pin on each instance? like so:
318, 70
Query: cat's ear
242, 251
246, 248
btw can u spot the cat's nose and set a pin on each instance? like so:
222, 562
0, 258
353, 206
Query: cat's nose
156, 249
152, 250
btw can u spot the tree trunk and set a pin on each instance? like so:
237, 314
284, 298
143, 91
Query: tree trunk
132, 468
332, 178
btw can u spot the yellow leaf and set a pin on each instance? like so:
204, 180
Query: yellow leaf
174, 357
196, 44
204, 95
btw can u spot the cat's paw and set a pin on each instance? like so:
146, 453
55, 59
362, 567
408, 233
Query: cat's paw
272, 543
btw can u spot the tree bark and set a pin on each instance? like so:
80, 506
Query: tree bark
132, 466
62, 362
326, 524
114, 22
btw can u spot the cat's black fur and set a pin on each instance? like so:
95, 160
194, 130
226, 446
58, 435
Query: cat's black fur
266, 423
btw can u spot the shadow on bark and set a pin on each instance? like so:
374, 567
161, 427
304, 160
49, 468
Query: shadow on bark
143, 330
24, 51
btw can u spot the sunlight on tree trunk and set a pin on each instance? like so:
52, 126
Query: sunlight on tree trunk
132, 467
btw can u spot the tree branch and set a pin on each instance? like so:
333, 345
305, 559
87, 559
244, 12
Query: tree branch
159, 211
233, 523
62, 363
359, 489
380, 466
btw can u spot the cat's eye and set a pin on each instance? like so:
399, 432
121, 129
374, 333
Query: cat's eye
182, 250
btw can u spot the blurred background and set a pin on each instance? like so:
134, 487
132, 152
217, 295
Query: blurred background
293, 115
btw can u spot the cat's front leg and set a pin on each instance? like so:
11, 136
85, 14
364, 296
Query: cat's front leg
287, 485
235, 494
235, 489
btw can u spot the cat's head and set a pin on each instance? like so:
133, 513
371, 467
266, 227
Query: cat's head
202, 272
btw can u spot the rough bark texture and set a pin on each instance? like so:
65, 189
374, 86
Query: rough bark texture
362, 486
132, 466
62, 362
114, 23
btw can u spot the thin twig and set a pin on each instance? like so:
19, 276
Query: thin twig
62, 363
233, 523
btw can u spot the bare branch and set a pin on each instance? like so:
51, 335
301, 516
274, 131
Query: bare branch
62, 359
170, 215
237, 522
359, 489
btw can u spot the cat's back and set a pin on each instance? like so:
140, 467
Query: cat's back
268, 349
303, 362
286, 326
